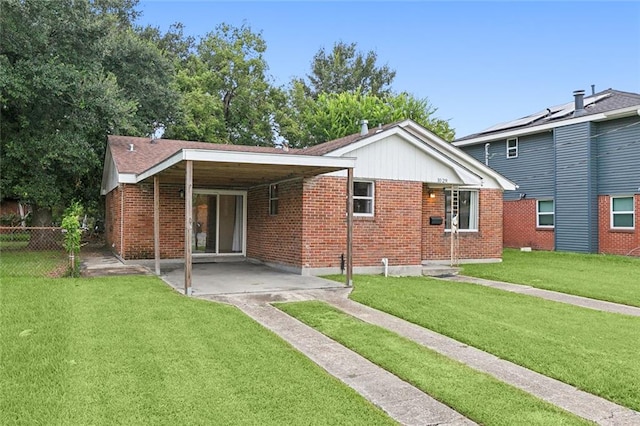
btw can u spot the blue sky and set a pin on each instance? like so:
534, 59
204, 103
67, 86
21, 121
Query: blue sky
479, 63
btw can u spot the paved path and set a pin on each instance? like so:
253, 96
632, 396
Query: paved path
584, 302
402, 401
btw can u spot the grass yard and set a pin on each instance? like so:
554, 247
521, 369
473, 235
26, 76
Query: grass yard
476, 395
604, 277
595, 351
128, 350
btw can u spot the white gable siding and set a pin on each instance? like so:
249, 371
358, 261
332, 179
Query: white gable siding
109, 174
394, 158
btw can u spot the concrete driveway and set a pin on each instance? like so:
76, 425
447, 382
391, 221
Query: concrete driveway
240, 277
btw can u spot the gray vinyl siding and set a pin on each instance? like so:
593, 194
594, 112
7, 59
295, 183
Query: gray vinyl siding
532, 170
576, 219
618, 156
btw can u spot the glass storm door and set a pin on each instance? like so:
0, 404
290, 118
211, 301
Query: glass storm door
219, 222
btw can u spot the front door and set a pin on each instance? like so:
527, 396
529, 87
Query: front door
219, 222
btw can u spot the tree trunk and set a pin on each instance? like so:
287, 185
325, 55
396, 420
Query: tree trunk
44, 239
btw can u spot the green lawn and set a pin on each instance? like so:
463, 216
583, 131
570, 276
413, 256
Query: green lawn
611, 278
478, 396
128, 350
595, 351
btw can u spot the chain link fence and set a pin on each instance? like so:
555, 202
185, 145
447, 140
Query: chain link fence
33, 252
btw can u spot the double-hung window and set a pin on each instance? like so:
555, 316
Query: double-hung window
363, 198
512, 148
467, 210
622, 213
545, 214
273, 199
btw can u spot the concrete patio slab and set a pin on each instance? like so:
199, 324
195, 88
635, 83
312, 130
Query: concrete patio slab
239, 277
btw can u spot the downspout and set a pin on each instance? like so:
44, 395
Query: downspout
122, 222
486, 153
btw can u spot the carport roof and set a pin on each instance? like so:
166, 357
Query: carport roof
136, 159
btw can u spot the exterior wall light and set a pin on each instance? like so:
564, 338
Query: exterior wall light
181, 193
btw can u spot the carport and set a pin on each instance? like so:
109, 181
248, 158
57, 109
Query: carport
237, 168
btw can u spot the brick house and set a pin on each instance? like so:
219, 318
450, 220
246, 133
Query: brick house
289, 208
576, 165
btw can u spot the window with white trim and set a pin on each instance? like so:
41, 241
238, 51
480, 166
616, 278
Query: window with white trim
273, 199
545, 214
467, 210
512, 148
363, 196
622, 213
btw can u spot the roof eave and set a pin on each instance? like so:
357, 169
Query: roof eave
603, 116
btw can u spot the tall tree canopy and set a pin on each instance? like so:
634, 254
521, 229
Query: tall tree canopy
227, 96
72, 71
345, 69
334, 115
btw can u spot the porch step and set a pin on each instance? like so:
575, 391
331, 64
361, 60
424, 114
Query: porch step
440, 270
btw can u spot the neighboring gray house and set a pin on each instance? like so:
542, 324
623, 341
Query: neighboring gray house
578, 170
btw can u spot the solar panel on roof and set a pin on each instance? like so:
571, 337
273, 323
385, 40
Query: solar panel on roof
517, 123
552, 113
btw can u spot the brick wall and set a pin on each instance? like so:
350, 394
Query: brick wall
112, 220
310, 228
138, 221
393, 232
613, 241
520, 226
275, 238
484, 244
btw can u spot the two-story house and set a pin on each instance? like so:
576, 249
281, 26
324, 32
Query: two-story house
577, 166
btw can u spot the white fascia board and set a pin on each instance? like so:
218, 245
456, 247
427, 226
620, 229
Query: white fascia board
462, 157
267, 158
248, 158
466, 176
363, 142
127, 178
174, 159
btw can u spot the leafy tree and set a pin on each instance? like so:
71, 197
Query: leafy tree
334, 115
345, 69
226, 94
72, 71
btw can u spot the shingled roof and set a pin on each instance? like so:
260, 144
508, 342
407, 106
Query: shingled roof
601, 102
147, 153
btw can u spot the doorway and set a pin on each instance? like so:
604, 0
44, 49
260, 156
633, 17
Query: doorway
219, 222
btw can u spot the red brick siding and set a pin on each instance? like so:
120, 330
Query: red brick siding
484, 244
138, 221
393, 232
520, 226
613, 241
112, 220
310, 228
275, 238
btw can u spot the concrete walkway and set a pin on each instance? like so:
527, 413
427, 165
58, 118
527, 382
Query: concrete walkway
402, 401
585, 302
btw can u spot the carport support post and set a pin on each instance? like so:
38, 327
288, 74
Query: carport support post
349, 227
156, 222
188, 219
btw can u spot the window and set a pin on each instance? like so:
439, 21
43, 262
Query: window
467, 210
622, 212
363, 198
512, 148
273, 199
545, 213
